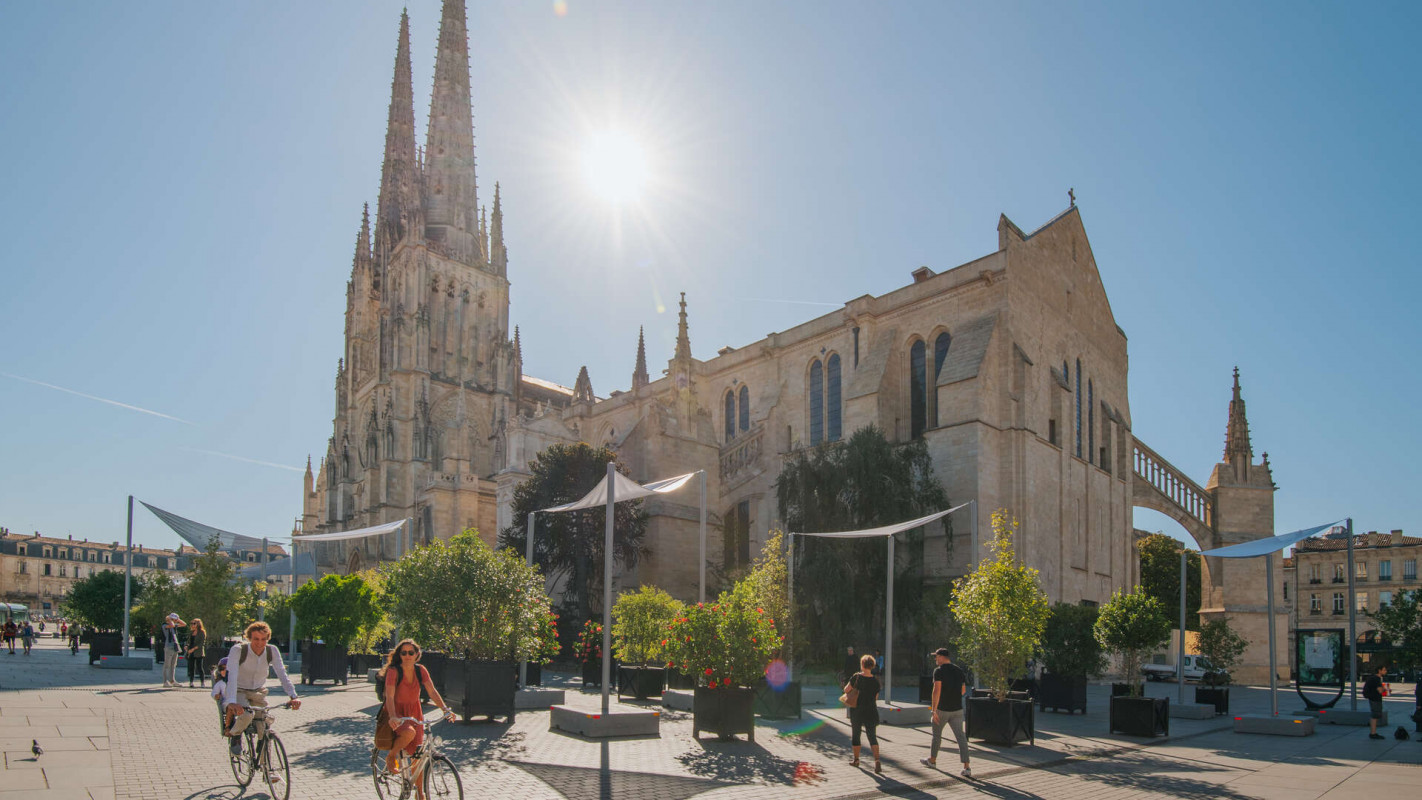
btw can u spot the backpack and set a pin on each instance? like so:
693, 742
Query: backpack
242, 659
1400, 734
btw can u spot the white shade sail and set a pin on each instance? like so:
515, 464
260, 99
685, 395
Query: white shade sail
1273, 544
377, 530
198, 534
624, 489
887, 530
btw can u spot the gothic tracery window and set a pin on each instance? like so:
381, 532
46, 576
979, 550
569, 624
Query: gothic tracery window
730, 415
1078, 408
817, 402
918, 388
745, 407
940, 354
833, 411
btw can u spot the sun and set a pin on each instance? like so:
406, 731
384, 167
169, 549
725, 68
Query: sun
615, 166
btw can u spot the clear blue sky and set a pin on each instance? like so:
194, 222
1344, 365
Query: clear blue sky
182, 184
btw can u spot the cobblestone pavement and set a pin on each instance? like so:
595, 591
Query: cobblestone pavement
116, 734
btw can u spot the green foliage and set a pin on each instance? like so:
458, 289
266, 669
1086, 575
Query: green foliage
864, 482
590, 641
1401, 623
1132, 626
1002, 610
1160, 577
211, 592
97, 601
161, 596
370, 635
568, 547
768, 583
724, 644
336, 608
1069, 646
1219, 643
461, 597
278, 616
640, 621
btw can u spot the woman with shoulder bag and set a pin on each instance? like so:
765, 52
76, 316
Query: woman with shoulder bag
197, 652
403, 676
862, 697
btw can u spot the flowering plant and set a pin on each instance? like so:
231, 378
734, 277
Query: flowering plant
640, 622
723, 644
590, 642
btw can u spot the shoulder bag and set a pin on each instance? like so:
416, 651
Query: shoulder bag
850, 698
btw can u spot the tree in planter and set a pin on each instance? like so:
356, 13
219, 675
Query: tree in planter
97, 601
161, 596
1222, 647
640, 623
768, 584
336, 608
569, 545
725, 644
369, 636
590, 642
1131, 626
1069, 645
461, 597
1401, 623
1002, 611
1160, 576
211, 592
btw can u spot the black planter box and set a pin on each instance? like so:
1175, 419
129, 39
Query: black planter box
1122, 689
1140, 716
1062, 692
323, 662
142, 641
925, 689
724, 712
592, 673
1026, 685
363, 663
676, 679
1217, 696
105, 644
640, 682
782, 703
535, 673
1004, 722
481, 688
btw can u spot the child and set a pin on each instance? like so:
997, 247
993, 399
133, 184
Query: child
219, 688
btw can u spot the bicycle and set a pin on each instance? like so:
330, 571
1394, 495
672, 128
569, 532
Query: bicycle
262, 749
436, 773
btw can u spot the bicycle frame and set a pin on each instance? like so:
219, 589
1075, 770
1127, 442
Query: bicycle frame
412, 773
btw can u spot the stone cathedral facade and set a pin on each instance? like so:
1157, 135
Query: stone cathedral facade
1010, 367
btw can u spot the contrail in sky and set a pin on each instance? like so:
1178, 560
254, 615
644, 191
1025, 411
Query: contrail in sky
100, 399
242, 458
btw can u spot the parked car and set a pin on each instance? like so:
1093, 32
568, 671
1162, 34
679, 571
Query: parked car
1196, 667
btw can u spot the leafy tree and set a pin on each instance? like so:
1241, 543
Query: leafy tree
161, 596
1002, 611
97, 601
1401, 623
768, 583
1132, 625
569, 546
640, 622
336, 608
1160, 577
211, 591
864, 482
1223, 647
727, 643
1069, 646
369, 636
462, 597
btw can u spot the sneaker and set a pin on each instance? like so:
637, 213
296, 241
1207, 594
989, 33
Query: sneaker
967, 772
235, 747
1376, 736
927, 763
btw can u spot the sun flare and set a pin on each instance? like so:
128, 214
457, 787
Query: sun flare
615, 166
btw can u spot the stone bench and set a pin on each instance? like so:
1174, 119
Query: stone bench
1274, 726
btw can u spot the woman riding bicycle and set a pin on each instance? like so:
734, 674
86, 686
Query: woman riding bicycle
403, 675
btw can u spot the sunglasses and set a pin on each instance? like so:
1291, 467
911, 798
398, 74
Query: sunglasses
408, 653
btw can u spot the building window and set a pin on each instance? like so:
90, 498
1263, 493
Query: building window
1384, 599
47, 569
833, 411
1362, 570
1315, 604
63, 570
1314, 574
856, 346
1090, 419
46, 552
1339, 575
817, 402
1360, 601
1409, 569
1286, 591
1052, 431
918, 389
1384, 570
91, 572
22, 549
736, 542
1338, 603
1078, 408
745, 408
940, 354
108, 558
730, 415
24, 568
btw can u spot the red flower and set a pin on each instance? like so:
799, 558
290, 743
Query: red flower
664, 643
708, 670
713, 682
760, 611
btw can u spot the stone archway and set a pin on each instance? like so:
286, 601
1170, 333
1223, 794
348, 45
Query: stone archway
356, 562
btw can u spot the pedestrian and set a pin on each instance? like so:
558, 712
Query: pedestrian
949, 687
197, 649
63, 629
28, 634
1372, 690
864, 714
10, 632
851, 665
878, 662
170, 649
1417, 712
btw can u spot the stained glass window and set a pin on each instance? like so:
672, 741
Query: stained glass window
1078, 408
730, 415
817, 400
745, 407
918, 388
833, 411
940, 354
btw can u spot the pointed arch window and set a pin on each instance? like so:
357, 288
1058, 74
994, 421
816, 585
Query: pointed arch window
389, 440
817, 402
1090, 419
833, 412
940, 354
1078, 408
730, 414
745, 407
918, 389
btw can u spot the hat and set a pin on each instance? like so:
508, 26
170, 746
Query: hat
174, 615
222, 663
943, 651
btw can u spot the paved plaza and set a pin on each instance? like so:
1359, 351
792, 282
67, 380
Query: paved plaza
115, 735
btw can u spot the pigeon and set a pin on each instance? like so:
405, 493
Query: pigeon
35, 748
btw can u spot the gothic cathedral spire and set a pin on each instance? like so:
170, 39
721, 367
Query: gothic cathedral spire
451, 192
362, 245
639, 375
498, 254
399, 212
1237, 447
683, 340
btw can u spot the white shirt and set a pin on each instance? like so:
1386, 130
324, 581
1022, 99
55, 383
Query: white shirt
252, 675
219, 689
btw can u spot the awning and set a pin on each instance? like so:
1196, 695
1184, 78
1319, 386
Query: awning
1273, 544
281, 567
198, 534
377, 530
624, 488
887, 530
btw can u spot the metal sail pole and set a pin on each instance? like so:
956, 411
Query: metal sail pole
1273, 667
528, 555
790, 612
701, 532
128, 577
607, 590
291, 631
262, 606
1352, 623
889, 629
1180, 651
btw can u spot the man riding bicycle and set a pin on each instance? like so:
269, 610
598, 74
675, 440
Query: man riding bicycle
247, 665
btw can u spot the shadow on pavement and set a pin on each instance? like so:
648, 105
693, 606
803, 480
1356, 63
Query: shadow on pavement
585, 783
1149, 774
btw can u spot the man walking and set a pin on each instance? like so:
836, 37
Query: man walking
949, 686
170, 649
1372, 690
247, 665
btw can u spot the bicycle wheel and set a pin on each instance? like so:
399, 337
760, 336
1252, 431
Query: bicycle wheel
243, 765
275, 769
442, 780
387, 786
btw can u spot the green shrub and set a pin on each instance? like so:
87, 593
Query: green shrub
1131, 626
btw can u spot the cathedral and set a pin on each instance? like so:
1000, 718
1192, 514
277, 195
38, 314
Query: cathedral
1011, 368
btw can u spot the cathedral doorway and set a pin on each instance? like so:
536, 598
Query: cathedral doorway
356, 562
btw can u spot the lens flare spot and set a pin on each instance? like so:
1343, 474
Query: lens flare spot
777, 674
560, 7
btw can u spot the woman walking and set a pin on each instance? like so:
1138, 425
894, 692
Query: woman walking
197, 651
27, 633
403, 675
864, 714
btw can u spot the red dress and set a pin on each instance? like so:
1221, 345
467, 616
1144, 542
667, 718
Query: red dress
407, 702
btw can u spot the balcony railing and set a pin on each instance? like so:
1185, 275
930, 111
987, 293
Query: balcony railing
1315, 580
1340, 580
1315, 612
1338, 612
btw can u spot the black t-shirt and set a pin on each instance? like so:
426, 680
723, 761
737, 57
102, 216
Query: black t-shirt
950, 694
1372, 687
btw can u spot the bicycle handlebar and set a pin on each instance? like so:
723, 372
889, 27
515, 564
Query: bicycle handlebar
443, 716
